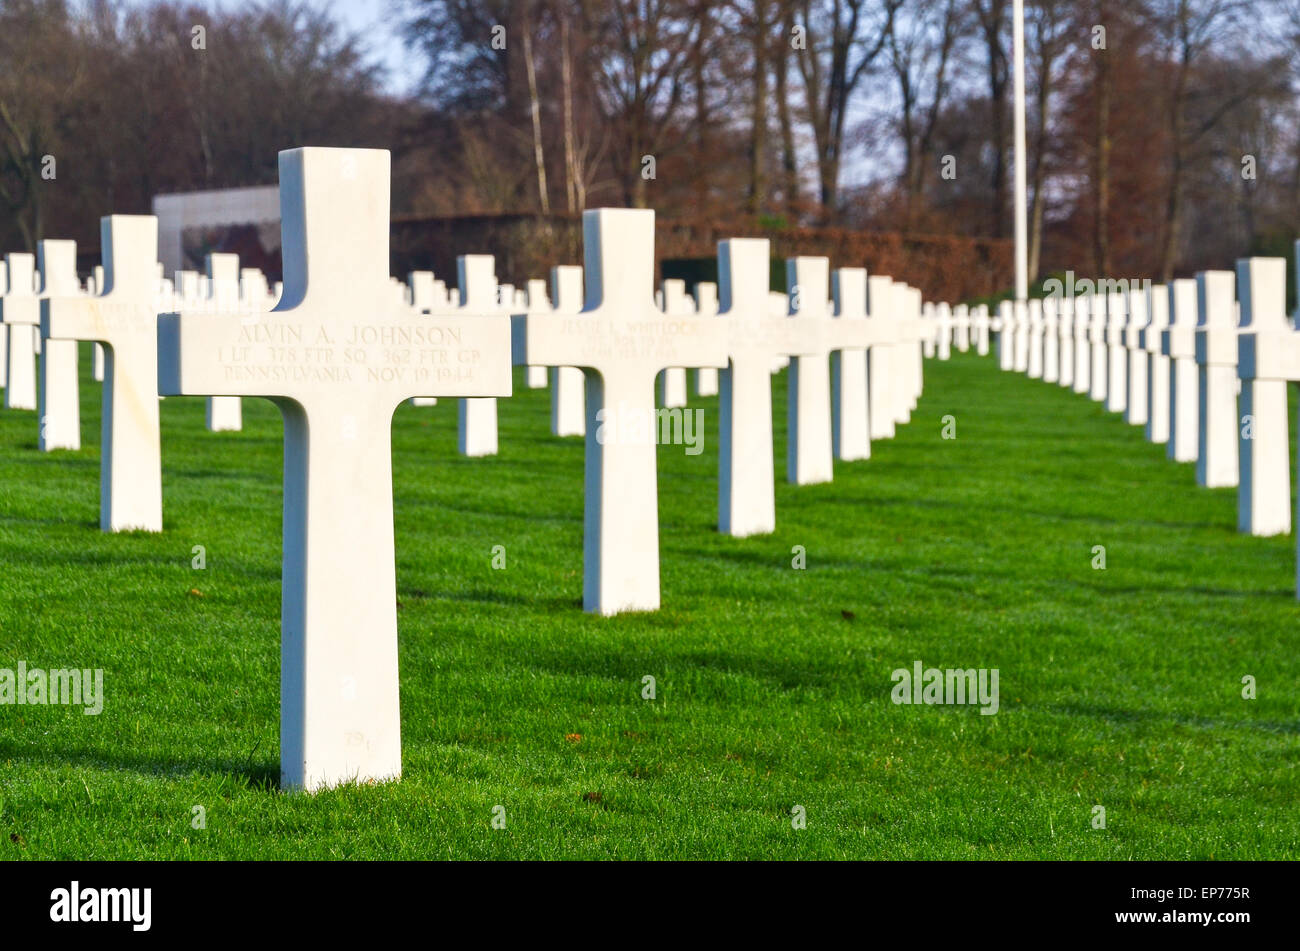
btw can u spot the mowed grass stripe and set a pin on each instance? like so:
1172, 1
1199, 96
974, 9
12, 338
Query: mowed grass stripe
1119, 687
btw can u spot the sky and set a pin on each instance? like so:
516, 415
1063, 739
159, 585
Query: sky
378, 23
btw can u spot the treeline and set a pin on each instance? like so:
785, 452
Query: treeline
1163, 134
104, 105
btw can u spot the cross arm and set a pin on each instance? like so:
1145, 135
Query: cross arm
82, 318
609, 344
289, 354
855, 333
20, 310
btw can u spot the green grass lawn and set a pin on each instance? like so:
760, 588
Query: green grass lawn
1119, 687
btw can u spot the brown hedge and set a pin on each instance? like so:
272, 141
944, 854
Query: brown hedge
944, 267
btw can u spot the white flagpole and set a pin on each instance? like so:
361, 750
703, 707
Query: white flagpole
1022, 177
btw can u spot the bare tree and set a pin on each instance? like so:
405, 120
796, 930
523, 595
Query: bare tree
840, 40
921, 48
1049, 32
641, 66
41, 74
535, 114
784, 113
1188, 29
994, 26
1104, 87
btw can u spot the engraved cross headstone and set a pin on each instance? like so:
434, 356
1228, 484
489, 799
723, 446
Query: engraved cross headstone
568, 389
124, 320
60, 403
1157, 428
1178, 343
337, 355
1136, 411
746, 490
224, 413
623, 342
1216, 358
1268, 356
16, 312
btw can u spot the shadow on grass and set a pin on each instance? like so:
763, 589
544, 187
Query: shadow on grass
69, 522
490, 596
261, 775
1166, 590
1152, 718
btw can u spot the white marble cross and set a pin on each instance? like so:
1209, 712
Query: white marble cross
1136, 400
930, 329
476, 418
1097, 328
885, 359
853, 335
943, 329
421, 290
95, 288
746, 490
979, 326
1049, 346
1083, 317
124, 320
908, 344
1157, 428
706, 305
535, 377
568, 388
536, 302
337, 355
851, 430
224, 413
1116, 358
623, 341
961, 327
1268, 355
1065, 341
426, 294
1020, 335
59, 396
254, 292
1036, 335
4, 334
1006, 327
16, 311
189, 290
1216, 358
1178, 343
676, 303
809, 441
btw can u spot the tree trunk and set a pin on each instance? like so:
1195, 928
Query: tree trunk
1174, 198
1036, 209
1102, 145
701, 115
570, 152
758, 130
789, 159
997, 66
535, 110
